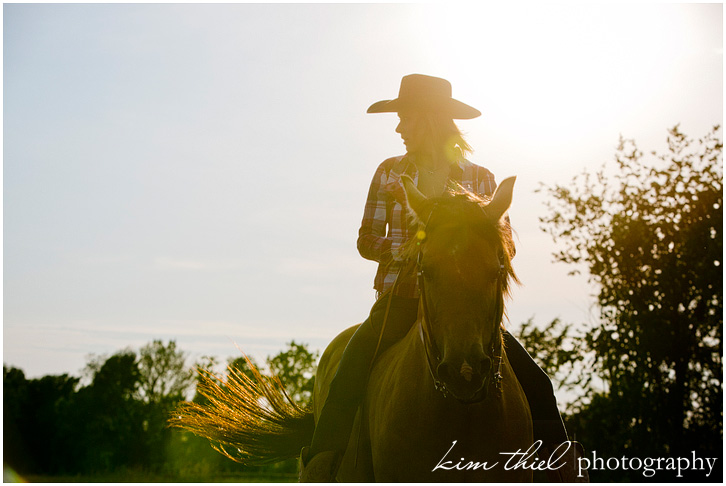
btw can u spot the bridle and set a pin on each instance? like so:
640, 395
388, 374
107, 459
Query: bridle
433, 355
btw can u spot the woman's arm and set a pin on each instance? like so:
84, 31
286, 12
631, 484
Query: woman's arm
373, 243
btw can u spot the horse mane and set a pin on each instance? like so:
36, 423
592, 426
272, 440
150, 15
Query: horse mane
466, 208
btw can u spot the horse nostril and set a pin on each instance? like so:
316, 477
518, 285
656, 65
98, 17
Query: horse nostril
445, 372
485, 365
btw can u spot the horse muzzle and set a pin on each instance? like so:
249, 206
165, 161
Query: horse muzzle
468, 379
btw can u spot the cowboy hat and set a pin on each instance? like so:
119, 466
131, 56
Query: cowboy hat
425, 93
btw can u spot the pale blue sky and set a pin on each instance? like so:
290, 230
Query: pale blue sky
198, 172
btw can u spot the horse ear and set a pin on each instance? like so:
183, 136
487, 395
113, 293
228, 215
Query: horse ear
414, 197
502, 199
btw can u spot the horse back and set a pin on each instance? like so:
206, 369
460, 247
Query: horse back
327, 367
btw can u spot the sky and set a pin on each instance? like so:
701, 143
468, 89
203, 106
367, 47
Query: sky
197, 172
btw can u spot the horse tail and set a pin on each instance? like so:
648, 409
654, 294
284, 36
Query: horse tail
249, 420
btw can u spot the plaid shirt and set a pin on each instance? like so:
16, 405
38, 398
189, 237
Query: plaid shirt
387, 225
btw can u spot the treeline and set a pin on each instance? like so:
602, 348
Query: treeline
112, 421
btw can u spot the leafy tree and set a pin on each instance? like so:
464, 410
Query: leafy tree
123, 411
106, 417
164, 380
163, 372
649, 234
44, 407
60, 429
117, 378
296, 369
557, 351
37, 432
16, 419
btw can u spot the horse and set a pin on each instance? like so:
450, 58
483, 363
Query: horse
443, 403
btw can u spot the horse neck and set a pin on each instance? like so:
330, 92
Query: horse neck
404, 365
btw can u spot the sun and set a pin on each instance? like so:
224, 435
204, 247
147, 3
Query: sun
549, 71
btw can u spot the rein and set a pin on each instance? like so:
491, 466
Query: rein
433, 356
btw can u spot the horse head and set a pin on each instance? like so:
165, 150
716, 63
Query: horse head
463, 250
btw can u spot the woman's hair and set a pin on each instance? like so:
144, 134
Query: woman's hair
443, 132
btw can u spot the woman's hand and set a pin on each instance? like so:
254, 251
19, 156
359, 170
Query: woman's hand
395, 190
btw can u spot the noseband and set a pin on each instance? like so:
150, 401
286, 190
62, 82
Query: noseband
433, 355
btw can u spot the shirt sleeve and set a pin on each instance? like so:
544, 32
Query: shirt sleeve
486, 185
372, 241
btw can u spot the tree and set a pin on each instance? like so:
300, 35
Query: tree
164, 381
650, 236
116, 377
296, 370
557, 351
123, 412
106, 419
15, 401
32, 410
57, 428
163, 372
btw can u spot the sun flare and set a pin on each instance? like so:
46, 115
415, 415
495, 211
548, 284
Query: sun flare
549, 70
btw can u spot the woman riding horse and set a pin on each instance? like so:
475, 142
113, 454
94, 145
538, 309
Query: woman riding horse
435, 150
